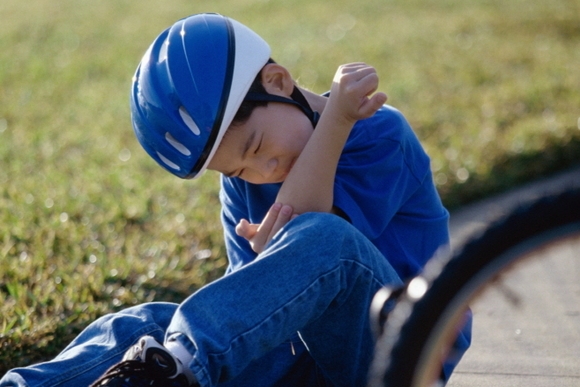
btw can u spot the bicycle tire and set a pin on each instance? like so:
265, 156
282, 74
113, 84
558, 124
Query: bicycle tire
424, 318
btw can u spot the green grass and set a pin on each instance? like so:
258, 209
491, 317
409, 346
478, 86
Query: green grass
88, 224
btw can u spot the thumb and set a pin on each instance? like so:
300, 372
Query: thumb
243, 229
381, 98
372, 104
378, 100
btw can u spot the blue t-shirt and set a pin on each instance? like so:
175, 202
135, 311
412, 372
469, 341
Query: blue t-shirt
383, 185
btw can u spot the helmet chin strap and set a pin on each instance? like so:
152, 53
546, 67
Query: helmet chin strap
297, 99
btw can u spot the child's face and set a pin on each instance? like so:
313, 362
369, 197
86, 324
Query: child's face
264, 148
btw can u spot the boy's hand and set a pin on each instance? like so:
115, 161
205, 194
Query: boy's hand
351, 96
260, 234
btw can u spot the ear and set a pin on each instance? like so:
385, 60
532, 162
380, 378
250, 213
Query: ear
277, 80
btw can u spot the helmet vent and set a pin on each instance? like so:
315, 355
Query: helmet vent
189, 121
163, 51
168, 162
177, 145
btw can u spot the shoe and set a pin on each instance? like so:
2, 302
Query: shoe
147, 363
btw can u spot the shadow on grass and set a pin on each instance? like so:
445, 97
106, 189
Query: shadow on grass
513, 170
30, 347
34, 347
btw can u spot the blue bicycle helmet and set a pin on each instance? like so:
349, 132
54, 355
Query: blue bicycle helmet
189, 86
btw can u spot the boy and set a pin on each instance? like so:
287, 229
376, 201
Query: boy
324, 200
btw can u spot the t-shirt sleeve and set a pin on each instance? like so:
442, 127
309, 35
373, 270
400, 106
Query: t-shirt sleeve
234, 207
381, 167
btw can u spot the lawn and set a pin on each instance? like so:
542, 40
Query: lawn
89, 224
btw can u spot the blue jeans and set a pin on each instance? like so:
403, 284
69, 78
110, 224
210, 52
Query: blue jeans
299, 312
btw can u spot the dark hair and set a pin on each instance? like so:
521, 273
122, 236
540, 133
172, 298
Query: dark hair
247, 107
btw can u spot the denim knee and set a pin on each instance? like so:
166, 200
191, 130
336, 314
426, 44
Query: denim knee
322, 226
321, 234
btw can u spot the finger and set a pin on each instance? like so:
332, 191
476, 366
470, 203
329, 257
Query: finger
240, 227
245, 229
372, 104
351, 66
260, 239
284, 217
350, 69
363, 82
369, 84
368, 79
353, 73
380, 99
270, 217
376, 101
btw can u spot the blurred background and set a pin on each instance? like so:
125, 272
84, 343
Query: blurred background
89, 224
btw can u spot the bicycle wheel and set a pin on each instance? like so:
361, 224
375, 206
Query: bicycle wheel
422, 327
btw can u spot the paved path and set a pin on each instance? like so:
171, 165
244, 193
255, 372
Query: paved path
537, 342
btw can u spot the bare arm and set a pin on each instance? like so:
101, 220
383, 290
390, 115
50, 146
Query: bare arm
310, 184
309, 187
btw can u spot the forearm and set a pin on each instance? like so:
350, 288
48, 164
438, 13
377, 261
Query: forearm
310, 184
309, 187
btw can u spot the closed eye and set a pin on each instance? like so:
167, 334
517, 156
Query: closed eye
259, 145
